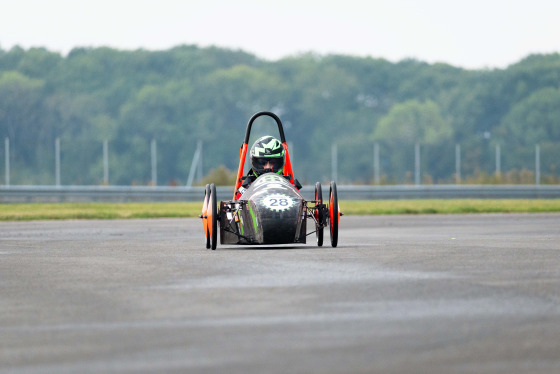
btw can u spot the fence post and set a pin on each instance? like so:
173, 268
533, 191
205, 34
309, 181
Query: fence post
57, 161
457, 163
376, 170
498, 160
537, 164
7, 160
334, 162
154, 162
417, 163
105, 162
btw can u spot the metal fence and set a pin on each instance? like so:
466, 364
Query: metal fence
144, 163
26, 194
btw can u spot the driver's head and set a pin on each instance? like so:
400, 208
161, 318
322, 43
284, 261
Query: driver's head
267, 155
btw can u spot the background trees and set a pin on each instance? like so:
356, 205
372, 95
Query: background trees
186, 94
410, 124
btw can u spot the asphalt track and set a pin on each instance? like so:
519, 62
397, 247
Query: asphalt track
401, 294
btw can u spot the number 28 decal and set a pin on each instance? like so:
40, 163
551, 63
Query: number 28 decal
278, 202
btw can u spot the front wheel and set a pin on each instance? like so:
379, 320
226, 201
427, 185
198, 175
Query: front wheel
212, 214
204, 215
334, 214
319, 215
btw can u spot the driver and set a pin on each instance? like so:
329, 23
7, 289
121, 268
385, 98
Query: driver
267, 156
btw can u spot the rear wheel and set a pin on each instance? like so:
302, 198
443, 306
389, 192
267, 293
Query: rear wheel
319, 214
212, 214
334, 214
204, 215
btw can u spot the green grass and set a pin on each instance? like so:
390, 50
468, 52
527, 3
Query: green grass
52, 211
458, 206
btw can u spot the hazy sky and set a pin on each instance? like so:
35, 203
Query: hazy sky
472, 34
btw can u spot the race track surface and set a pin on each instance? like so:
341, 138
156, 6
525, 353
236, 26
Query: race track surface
401, 294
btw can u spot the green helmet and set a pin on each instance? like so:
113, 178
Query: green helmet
267, 150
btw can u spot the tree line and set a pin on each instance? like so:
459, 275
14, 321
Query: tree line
185, 94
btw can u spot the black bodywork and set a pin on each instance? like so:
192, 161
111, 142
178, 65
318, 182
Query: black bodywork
271, 211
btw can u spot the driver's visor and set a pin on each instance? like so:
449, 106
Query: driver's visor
275, 163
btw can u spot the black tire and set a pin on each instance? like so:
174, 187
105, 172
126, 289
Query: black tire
319, 214
333, 214
213, 208
204, 212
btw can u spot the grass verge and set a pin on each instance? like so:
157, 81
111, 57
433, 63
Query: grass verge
458, 206
52, 211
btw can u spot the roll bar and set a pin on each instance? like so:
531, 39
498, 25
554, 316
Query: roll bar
243, 151
259, 114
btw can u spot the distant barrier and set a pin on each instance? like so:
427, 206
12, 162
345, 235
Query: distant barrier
14, 194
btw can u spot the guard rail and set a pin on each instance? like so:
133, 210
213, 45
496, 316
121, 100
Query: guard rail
13, 194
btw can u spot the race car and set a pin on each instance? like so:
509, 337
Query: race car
271, 210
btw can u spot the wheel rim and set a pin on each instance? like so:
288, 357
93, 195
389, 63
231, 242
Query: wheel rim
318, 225
334, 214
204, 215
212, 217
